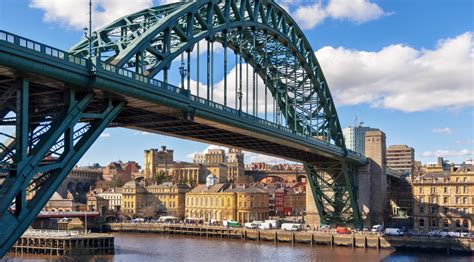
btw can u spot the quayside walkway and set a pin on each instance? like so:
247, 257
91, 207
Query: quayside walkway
312, 238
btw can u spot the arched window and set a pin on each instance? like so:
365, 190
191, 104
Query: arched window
465, 224
445, 223
458, 223
422, 222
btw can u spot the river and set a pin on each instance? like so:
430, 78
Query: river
155, 247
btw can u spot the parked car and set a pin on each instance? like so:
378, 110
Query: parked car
343, 230
377, 229
251, 225
325, 227
273, 222
392, 231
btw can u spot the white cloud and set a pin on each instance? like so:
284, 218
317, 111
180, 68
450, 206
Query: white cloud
445, 131
104, 135
359, 11
75, 13
309, 14
448, 153
218, 93
401, 77
143, 133
465, 142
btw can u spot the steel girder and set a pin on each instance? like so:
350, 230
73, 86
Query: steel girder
40, 154
334, 188
259, 30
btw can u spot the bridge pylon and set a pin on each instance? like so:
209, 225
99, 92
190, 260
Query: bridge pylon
53, 128
333, 187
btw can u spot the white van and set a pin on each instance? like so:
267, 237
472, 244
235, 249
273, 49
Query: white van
377, 229
291, 227
264, 226
251, 225
275, 223
393, 232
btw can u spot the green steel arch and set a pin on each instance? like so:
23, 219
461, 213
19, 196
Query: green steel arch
260, 30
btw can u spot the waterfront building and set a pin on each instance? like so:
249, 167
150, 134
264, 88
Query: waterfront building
251, 203
401, 158
97, 203
136, 200
169, 198
114, 196
210, 202
294, 202
444, 198
354, 137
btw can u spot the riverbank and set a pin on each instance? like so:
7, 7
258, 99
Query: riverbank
312, 238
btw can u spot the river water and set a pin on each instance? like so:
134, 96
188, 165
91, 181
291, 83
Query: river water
155, 247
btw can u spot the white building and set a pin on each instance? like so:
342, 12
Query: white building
114, 196
355, 137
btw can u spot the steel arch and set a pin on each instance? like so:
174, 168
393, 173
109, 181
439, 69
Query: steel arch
149, 40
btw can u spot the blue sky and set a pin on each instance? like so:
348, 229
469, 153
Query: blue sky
405, 67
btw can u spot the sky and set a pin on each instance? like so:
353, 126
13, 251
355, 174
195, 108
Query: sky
405, 67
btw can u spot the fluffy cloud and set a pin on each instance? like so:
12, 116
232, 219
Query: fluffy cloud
309, 15
75, 13
401, 77
445, 131
104, 135
358, 11
448, 153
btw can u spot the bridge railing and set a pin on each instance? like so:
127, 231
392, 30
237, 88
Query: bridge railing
100, 65
185, 94
41, 48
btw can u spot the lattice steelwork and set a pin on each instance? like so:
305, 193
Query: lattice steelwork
130, 62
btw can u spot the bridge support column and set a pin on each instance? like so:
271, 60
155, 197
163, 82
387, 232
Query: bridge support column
334, 194
44, 153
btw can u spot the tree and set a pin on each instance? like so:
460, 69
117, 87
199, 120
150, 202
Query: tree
161, 177
119, 180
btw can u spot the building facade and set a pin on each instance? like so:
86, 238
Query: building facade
210, 202
444, 200
401, 158
155, 158
169, 198
114, 196
136, 200
251, 203
354, 137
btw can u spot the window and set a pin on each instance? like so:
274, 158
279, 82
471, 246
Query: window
422, 222
434, 223
464, 200
433, 190
465, 190
422, 199
445, 200
434, 210
457, 179
434, 200
458, 223
458, 200
465, 224
445, 189
422, 210
445, 223
446, 210
421, 190
458, 190
465, 179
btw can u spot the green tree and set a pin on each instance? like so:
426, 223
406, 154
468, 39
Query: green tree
161, 177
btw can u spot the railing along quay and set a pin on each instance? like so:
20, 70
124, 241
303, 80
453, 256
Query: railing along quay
312, 238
